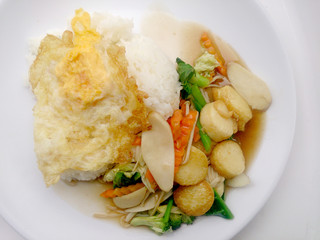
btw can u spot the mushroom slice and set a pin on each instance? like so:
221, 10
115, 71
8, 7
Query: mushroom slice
150, 202
238, 181
249, 86
130, 200
158, 151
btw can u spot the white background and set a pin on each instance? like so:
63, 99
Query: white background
293, 210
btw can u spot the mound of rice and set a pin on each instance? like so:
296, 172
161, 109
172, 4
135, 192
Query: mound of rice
155, 74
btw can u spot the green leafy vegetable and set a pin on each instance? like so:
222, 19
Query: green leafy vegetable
191, 81
188, 74
109, 176
205, 139
219, 208
123, 179
206, 63
197, 98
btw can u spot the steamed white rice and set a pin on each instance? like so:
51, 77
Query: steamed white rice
155, 74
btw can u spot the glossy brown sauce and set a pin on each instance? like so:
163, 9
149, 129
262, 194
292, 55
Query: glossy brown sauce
250, 139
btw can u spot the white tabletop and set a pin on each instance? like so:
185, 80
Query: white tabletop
293, 210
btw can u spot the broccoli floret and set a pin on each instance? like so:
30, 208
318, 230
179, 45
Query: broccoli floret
171, 220
187, 219
175, 220
157, 224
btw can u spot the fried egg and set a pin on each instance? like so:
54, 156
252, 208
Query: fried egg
88, 110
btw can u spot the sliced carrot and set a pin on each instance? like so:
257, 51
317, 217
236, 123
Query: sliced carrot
151, 179
179, 153
137, 141
196, 136
118, 192
175, 123
182, 101
185, 124
208, 44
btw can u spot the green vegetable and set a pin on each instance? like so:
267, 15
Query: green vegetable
205, 139
206, 63
175, 220
197, 98
110, 175
123, 179
191, 81
177, 217
219, 208
187, 219
231, 138
188, 74
157, 224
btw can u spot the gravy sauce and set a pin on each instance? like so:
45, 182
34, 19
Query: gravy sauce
83, 196
250, 139
176, 38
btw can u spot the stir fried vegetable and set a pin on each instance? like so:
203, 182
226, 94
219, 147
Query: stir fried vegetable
151, 179
219, 208
157, 224
206, 42
169, 218
181, 127
191, 81
205, 139
161, 203
110, 175
123, 179
118, 192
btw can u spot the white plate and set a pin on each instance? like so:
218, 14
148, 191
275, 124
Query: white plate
41, 213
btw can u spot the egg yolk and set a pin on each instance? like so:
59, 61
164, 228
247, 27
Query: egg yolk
82, 71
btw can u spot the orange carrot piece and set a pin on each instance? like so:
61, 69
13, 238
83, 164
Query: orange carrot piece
151, 179
182, 101
206, 42
181, 137
175, 123
196, 136
137, 141
118, 192
184, 109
